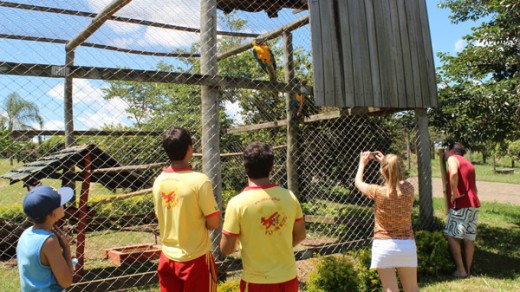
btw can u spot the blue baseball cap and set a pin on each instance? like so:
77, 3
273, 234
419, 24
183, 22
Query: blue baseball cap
40, 201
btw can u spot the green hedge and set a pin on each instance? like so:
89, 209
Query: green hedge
333, 273
433, 253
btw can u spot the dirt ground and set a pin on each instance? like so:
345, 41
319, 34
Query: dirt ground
487, 191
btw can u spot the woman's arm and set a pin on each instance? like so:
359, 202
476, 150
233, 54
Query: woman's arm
363, 161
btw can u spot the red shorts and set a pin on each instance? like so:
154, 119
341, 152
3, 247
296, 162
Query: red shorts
199, 274
289, 286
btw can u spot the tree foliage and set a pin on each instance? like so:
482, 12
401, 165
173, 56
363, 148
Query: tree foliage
20, 113
479, 87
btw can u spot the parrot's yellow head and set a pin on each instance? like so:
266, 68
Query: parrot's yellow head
258, 42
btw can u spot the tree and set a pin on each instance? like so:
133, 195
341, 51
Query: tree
479, 92
20, 113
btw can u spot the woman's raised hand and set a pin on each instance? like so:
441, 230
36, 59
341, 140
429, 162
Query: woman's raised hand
378, 155
364, 157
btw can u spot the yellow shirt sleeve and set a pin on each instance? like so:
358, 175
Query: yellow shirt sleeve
231, 220
207, 202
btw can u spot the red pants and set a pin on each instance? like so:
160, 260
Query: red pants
199, 274
289, 286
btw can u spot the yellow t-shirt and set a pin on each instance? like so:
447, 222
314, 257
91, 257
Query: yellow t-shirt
263, 219
183, 199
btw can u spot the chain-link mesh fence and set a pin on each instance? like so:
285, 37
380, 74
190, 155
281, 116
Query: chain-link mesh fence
137, 75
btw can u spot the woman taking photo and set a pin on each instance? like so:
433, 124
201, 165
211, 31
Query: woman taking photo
394, 245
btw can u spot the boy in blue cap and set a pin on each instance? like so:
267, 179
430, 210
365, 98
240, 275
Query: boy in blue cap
43, 252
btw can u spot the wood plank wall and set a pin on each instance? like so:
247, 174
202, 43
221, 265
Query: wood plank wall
372, 53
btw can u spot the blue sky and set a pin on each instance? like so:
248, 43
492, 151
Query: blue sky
91, 111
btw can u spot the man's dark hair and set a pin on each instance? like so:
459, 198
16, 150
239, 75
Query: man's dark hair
457, 148
176, 142
39, 220
258, 160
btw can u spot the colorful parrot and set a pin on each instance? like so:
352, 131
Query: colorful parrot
298, 108
264, 56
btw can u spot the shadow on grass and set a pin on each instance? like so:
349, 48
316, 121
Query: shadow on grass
497, 255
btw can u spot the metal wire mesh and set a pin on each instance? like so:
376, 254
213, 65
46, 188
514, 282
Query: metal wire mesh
138, 75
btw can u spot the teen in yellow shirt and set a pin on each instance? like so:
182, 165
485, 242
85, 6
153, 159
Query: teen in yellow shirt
186, 209
268, 222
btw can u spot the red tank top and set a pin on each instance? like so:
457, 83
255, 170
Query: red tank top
467, 185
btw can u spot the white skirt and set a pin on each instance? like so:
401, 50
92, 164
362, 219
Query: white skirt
393, 253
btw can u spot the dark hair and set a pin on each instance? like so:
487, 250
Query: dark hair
258, 160
39, 220
457, 148
176, 142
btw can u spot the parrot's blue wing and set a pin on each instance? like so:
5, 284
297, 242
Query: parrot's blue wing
273, 59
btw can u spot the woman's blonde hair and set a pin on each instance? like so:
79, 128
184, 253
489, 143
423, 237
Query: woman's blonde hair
392, 169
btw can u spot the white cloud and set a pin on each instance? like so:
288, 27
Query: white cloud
101, 113
123, 27
178, 12
91, 110
83, 91
459, 45
54, 125
167, 38
234, 110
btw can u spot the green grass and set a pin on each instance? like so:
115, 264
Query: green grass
14, 194
484, 171
97, 266
497, 256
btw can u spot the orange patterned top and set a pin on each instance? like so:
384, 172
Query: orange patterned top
393, 213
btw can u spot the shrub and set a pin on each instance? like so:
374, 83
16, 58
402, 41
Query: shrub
368, 279
333, 273
228, 286
513, 149
13, 214
432, 253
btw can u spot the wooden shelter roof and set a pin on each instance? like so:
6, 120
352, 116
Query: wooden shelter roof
51, 166
270, 6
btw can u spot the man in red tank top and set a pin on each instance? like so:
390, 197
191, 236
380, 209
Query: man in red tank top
461, 225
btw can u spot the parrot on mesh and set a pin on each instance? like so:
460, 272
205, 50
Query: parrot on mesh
264, 56
298, 104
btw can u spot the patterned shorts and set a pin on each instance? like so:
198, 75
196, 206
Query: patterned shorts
462, 223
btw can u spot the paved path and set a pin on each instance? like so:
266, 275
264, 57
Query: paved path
487, 191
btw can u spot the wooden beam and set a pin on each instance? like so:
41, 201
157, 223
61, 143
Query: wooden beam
267, 36
100, 46
120, 19
96, 23
120, 74
282, 123
163, 164
122, 197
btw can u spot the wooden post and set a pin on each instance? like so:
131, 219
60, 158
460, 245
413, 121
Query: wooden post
82, 218
408, 150
209, 116
444, 180
68, 102
292, 129
424, 169
68, 109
